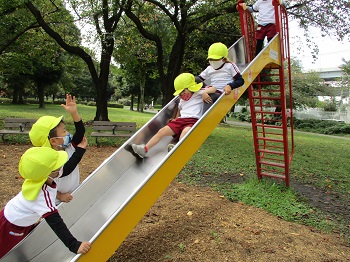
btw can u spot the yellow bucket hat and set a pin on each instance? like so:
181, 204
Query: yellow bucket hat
217, 51
186, 80
36, 165
39, 133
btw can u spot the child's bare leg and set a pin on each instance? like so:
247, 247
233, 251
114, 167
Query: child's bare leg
184, 131
164, 131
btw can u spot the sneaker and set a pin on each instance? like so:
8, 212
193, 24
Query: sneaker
139, 149
170, 146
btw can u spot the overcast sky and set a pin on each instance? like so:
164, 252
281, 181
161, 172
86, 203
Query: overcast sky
330, 54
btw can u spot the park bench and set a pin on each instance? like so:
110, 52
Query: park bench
113, 129
16, 126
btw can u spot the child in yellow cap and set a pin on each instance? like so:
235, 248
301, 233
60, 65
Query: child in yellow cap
50, 131
36, 201
192, 96
266, 20
223, 74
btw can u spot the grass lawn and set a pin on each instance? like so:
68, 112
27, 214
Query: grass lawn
320, 161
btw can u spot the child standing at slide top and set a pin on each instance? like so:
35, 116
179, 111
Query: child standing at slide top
50, 131
222, 73
21, 214
190, 107
266, 21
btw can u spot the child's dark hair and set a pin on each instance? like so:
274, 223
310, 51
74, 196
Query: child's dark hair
53, 131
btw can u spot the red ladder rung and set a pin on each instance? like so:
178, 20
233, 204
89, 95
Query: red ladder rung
268, 112
266, 83
275, 171
273, 164
258, 89
270, 152
273, 175
269, 133
267, 97
270, 139
271, 146
268, 126
272, 159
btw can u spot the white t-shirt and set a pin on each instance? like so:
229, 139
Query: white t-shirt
219, 78
22, 212
266, 12
192, 108
71, 182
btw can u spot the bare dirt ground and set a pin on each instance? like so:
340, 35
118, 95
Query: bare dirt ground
190, 223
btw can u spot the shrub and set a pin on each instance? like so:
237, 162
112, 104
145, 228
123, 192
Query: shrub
124, 101
58, 102
114, 105
242, 116
338, 129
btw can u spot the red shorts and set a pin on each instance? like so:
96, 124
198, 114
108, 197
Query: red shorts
10, 234
179, 124
268, 30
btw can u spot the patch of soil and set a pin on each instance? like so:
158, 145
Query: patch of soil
190, 223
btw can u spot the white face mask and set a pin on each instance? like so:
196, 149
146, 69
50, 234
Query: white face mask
216, 64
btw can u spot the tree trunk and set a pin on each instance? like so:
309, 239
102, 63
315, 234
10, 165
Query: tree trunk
40, 90
132, 103
138, 103
15, 94
101, 104
100, 81
20, 96
176, 58
142, 90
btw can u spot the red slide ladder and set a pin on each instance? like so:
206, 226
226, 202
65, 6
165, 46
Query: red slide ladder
270, 98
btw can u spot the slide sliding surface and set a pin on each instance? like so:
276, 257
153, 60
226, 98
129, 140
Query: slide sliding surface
115, 197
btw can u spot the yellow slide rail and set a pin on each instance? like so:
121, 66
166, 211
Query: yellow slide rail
119, 228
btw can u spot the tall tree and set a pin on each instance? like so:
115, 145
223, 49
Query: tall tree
185, 17
345, 79
105, 16
307, 87
332, 17
137, 55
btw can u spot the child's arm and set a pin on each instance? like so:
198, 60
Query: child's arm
71, 108
199, 79
79, 133
74, 160
237, 82
205, 95
55, 221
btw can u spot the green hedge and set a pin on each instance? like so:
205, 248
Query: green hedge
311, 125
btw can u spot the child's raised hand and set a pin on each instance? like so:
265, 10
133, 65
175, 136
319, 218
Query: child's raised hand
206, 98
83, 143
71, 105
84, 247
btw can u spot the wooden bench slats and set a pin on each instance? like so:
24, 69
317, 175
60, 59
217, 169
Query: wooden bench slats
15, 132
116, 128
113, 129
16, 126
100, 134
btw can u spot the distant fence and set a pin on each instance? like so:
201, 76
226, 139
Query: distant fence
313, 113
322, 115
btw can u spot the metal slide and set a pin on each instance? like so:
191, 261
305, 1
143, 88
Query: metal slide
115, 197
